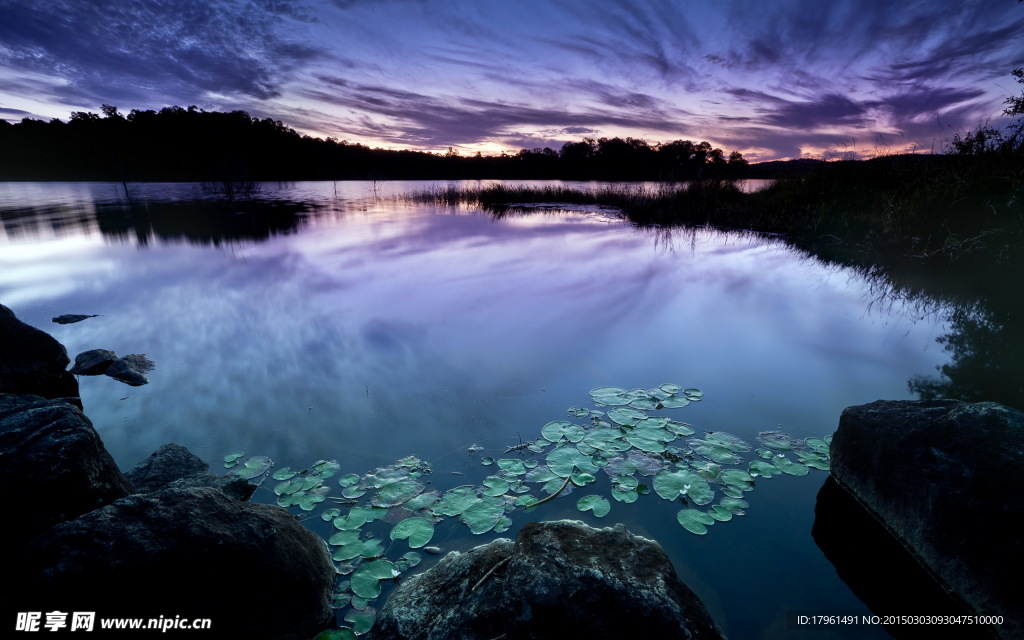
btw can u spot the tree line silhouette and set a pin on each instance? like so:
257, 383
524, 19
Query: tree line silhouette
191, 144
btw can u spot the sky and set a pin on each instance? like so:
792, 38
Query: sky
773, 80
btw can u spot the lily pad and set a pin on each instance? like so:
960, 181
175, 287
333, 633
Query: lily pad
671, 389
484, 514
397, 492
738, 478
555, 431
421, 501
647, 438
787, 466
670, 485
695, 521
675, 402
418, 531
366, 579
512, 466
253, 467
714, 451
777, 440
455, 501
735, 505
284, 474
626, 416
495, 486
362, 621
599, 505
680, 429
720, 513
609, 396
762, 468
564, 460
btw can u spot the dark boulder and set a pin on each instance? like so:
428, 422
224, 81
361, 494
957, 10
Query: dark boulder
131, 369
93, 362
32, 362
557, 580
172, 465
252, 569
53, 466
943, 476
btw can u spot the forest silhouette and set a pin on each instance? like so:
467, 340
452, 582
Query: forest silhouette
191, 144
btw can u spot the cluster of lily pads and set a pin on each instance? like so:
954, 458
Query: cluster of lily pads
637, 452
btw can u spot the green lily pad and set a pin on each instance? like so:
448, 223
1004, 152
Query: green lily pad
738, 478
625, 495
814, 459
512, 466
695, 521
777, 440
353, 492
670, 485
349, 545
720, 513
289, 487
597, 504
454, 501
564, 460
408, 561
418, 531
366, 579
605, 439
372, 548
787, 466
362, 621
609, 396
680, 429
714, 451
330, 514
397, 492
729, 441
348, 480
671, 389
254, 466
693, 394
578, 412
761, 468
649, 438
503, 524
555, 431
284, 473
735, 505
484, 514
231, 459
421, 501
626, 416
675, 402
495, 486
325, 468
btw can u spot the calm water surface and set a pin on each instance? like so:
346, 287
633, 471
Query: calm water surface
339, 323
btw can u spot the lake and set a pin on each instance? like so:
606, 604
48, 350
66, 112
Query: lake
335, 321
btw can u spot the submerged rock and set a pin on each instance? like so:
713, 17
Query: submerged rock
32, 361
943, 476
131, 369
53, 466
195, 552
557, 580
172, 465
93, 362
